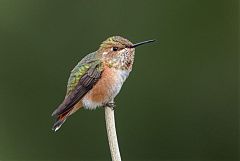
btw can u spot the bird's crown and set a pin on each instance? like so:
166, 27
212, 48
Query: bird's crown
115, 41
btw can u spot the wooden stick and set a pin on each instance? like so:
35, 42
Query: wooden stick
112, 135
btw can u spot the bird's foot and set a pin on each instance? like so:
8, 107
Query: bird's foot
110, 105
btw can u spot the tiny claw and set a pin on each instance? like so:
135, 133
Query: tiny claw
110, 105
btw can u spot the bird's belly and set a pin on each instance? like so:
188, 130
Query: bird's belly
106, 88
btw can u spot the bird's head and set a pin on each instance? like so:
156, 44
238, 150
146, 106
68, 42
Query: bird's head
116, 46
118, 49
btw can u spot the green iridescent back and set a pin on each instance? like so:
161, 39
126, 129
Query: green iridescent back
80, 69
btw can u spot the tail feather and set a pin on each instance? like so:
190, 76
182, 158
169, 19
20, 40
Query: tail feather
58, 124
61, 118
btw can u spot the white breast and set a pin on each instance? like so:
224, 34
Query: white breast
121, 76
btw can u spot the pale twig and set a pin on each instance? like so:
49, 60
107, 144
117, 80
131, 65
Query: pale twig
112, 135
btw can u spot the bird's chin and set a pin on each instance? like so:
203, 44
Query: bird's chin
131, 50
127, 51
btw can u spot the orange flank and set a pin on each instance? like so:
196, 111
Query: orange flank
101, 90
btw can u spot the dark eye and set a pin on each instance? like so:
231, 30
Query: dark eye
115, 48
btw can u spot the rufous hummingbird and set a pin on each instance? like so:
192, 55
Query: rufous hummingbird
97, 78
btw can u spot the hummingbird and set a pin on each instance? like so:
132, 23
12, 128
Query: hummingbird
97, 79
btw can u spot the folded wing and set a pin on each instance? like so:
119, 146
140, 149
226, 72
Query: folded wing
79, 84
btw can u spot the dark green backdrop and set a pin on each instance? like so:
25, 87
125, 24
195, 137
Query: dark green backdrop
179, 103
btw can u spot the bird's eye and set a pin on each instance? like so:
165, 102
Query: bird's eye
115, 48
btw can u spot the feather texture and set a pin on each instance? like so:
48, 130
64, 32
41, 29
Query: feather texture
79, 86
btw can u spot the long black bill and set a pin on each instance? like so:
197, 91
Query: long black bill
141, 43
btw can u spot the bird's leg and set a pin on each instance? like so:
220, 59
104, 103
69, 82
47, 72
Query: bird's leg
110, 105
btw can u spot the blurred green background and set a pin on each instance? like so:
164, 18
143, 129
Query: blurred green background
179, 103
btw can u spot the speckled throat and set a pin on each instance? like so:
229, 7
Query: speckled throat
123, 61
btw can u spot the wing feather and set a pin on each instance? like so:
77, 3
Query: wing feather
76, 92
